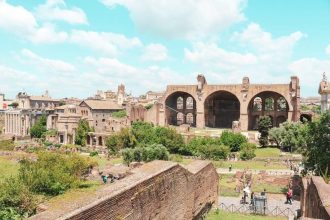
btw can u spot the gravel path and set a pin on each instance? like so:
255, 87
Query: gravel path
269, 172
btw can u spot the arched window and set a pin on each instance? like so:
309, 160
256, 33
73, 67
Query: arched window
179, 103
269, 104
281, 104
257, 104
190, 103
190, 118
179, 118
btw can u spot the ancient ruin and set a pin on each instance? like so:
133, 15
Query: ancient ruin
218, 106
157, 190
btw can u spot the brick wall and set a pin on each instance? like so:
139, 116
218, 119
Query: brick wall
315, 198
157, 190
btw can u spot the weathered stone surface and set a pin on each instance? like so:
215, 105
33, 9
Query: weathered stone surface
315, 198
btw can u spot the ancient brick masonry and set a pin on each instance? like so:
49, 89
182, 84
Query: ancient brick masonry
315, 198
157, 190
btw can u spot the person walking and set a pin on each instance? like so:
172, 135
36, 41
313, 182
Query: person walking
105, 179
289, 196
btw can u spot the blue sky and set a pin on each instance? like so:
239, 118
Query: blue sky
73, 48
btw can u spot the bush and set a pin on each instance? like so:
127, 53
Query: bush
169, 138
214, 152
145, 153
193, 147
247, 151
16, 200
176, 158
93, 153
53, 173
233, 140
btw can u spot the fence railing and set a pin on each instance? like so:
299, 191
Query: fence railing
249, 209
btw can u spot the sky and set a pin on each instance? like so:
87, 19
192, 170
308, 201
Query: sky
73, 48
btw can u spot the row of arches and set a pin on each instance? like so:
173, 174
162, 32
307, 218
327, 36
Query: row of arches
221, 108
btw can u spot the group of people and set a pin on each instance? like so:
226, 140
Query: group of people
105, 178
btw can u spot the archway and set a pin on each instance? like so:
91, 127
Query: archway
221, 109
180, 109
270, 104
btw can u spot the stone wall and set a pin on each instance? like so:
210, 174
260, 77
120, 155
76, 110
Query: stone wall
315, 198
157, 190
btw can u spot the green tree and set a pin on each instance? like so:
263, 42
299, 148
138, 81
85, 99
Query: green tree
275, 135
143, 132
264, 125
112, 143
126, 139
169, 138
317, 151
82, 131
39, 128
247, 151
233, 140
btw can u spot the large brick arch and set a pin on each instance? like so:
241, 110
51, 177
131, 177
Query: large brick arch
244, 92
186, 113
276, 114
221, 108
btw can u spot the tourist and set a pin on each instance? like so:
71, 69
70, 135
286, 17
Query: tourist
105, 179
252, 199
230, 168
289, 197
264, 192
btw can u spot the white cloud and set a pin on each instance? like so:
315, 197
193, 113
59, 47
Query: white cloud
267, 58
184, 18
108, 70
327, 50
109, 43
47, 65
57, 10
310, 72
155, 52
18, 20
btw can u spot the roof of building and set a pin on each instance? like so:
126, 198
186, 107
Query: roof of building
43, 98
101, 104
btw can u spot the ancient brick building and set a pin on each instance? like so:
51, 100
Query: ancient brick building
157, 190
217, 106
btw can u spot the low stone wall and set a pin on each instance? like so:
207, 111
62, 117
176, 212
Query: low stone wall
156, 190
315, 198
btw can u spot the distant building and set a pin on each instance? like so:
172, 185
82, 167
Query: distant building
4, 103
324, 91
43, 102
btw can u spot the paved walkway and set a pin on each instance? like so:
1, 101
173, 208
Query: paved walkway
269, 172
273, 201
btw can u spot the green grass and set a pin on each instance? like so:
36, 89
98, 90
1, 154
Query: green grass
268, 152
217, 215
103, 161
8, 168
249, 164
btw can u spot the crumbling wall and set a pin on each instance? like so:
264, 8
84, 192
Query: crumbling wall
315, 198
156, 190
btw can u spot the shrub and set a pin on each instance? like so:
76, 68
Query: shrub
264, 125
16, 200
53, 173
145, 153
193, 147
233, 140
176, 158
169, 138
93, 153
214, 152
247, 151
